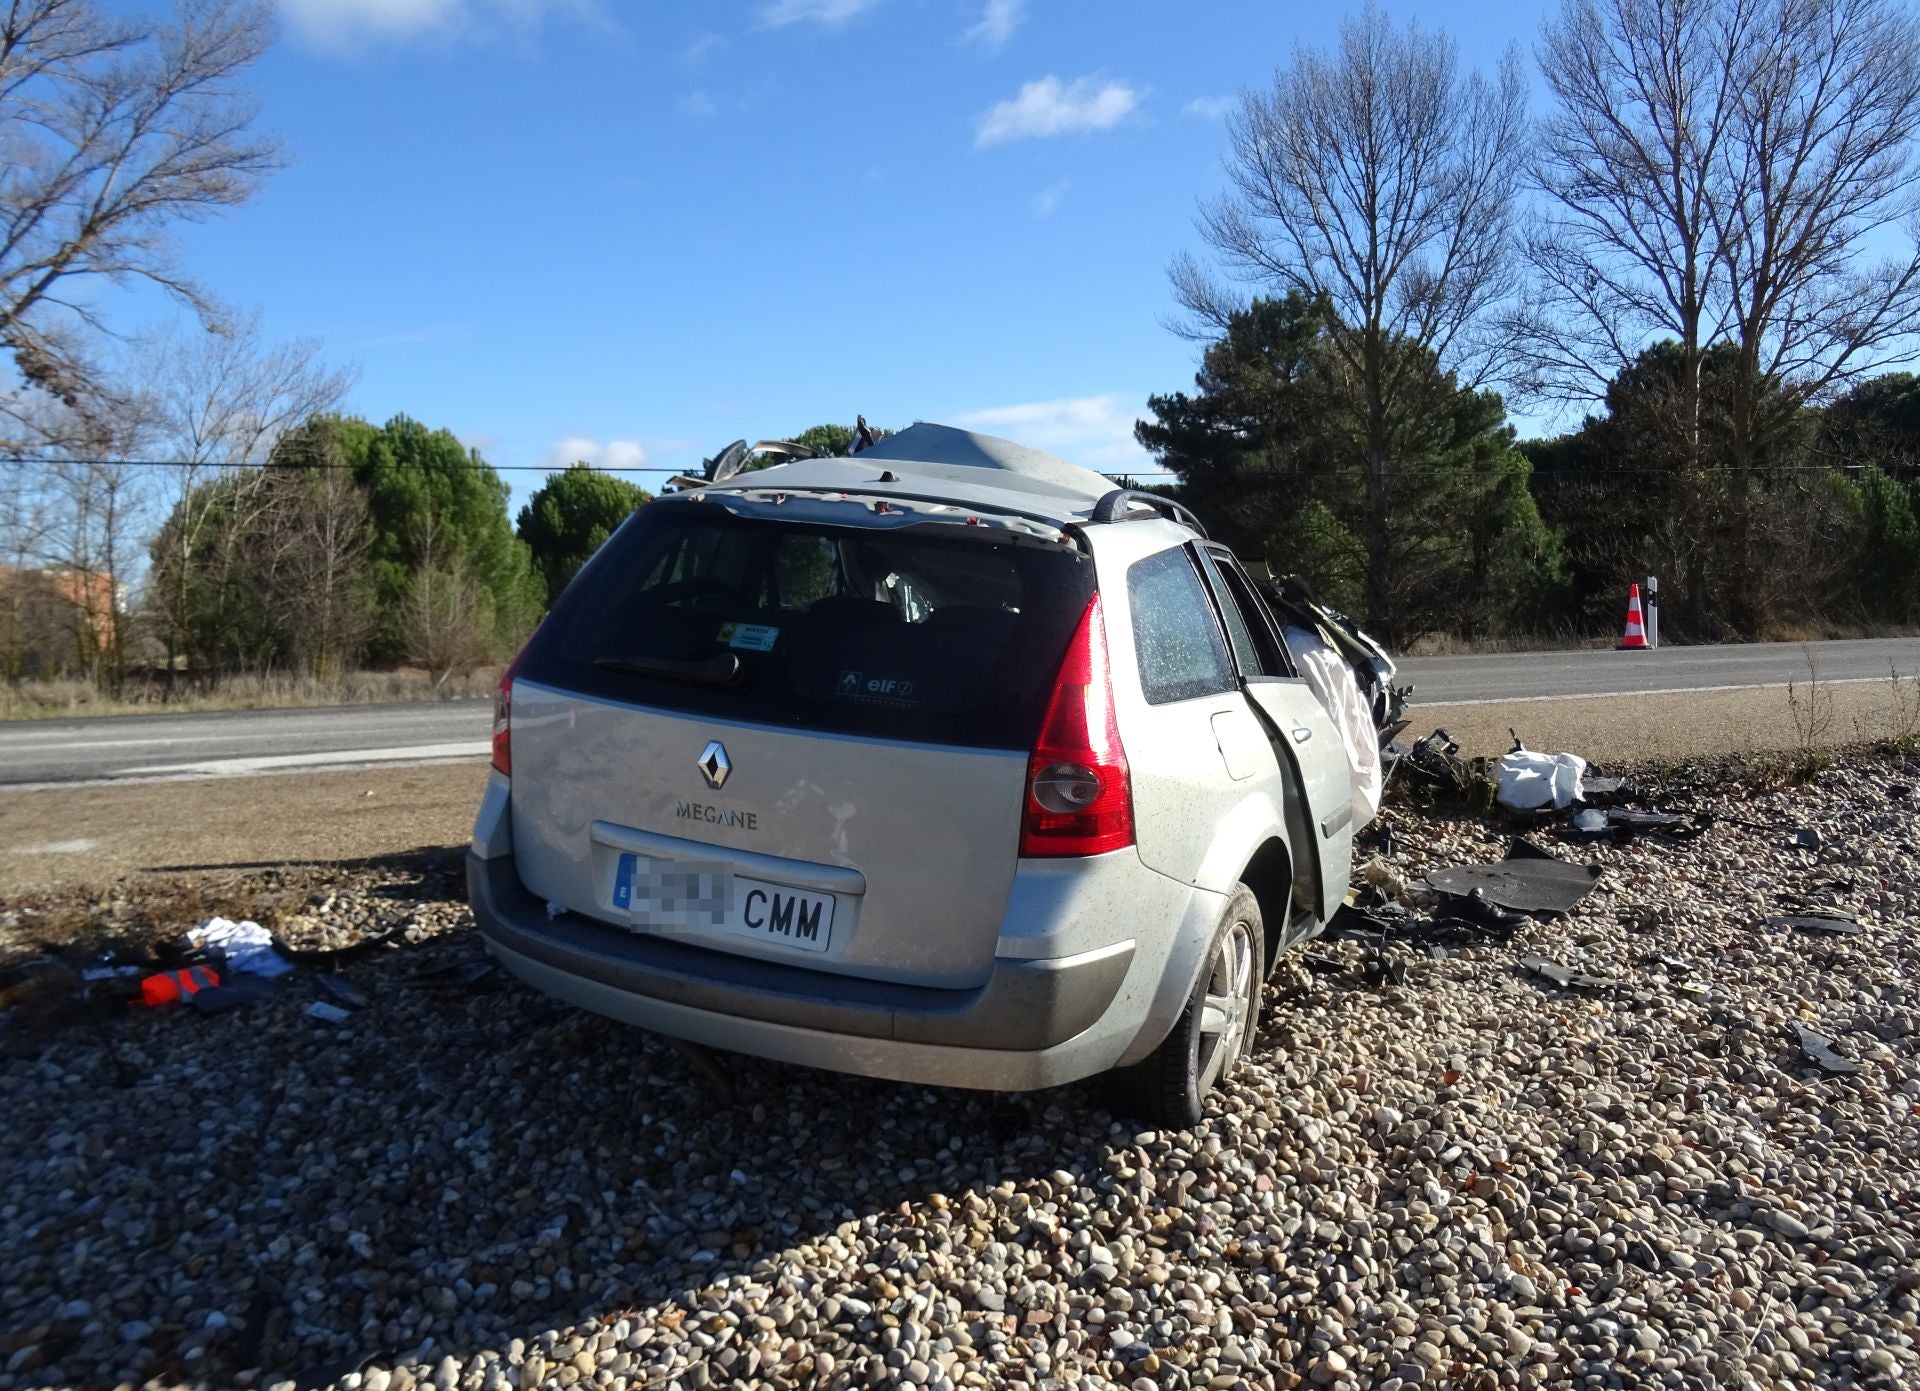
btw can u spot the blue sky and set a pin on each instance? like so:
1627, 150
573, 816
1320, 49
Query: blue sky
631, 232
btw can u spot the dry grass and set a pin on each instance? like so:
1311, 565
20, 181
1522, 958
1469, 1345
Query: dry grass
41, 700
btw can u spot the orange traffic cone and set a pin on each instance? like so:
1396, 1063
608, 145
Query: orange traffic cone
1636, 638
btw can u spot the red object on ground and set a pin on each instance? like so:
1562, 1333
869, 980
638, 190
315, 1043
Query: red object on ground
171, 987
1636, 638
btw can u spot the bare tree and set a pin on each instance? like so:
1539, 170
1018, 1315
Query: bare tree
320, 533
446, 617
1712, 171
112, 130
217, 404
24, 598
1379, 181
1627, 248
90, 550
1821, 164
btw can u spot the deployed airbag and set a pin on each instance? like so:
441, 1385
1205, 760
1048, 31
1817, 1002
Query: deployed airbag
1332, 682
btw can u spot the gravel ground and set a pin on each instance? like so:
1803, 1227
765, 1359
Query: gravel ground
1472, 1179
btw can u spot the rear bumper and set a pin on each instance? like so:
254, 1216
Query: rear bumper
1034, 1023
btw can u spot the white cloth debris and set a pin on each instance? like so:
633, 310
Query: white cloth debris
1332, 682
1529, 781
247, 946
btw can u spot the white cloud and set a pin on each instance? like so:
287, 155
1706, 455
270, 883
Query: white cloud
701, 48
1209, 108
614, 454
1094, 431
997, 23
1047, 201
342, 23
698, 105
1052, 107
831, 13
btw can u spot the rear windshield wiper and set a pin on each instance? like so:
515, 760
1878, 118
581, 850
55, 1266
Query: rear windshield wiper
721, 669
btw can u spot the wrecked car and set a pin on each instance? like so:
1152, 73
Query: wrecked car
949, 762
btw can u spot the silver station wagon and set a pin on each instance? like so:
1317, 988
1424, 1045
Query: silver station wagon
949, 762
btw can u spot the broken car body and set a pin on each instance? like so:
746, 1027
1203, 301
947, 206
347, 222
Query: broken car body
949, 762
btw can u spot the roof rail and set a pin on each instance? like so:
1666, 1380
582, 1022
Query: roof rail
1119, 505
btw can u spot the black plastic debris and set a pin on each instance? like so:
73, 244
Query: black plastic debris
1825, 924
459, 975
1477, 910
1321, 965
1804, 838
1381, 969
1527, 881
1819, 1048
1598, 791
234, 990
1566, 975
341, 991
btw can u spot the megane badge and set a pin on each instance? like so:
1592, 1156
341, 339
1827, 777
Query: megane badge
715, 765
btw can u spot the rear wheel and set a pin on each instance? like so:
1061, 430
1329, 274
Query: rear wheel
1214, 1032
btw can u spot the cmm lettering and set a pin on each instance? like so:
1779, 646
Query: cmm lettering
787, 916
717, 816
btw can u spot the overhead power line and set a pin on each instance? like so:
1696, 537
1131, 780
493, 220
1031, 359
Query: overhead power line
1401, 470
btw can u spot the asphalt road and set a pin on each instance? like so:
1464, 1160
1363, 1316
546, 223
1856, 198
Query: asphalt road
241, 742
1569, 675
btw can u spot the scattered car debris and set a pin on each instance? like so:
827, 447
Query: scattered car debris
457, 975
1566, 975
331, 1014
1527, 881
1381, 968
1597, 791
1480, 911
1819, 1048
1826, 924
231, 993
1435, 760
342, 991
1592, 821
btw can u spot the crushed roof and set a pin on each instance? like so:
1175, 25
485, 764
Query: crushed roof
963, 465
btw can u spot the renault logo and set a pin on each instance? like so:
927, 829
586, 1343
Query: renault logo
715, 765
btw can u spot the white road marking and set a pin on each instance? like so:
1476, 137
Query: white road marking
266, 763
52, 847
1664, 690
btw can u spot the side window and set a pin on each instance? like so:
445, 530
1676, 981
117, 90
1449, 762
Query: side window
1255, 645
1178, 643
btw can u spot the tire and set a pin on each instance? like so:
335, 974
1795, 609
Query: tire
1214, 1033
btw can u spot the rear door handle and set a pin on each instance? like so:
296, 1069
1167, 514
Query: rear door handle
1301, 734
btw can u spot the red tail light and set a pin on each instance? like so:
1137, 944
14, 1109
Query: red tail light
1079, 793
503, 716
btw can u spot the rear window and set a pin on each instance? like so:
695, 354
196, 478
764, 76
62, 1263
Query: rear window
947, 640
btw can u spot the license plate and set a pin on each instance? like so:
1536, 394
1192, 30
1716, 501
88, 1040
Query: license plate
699, 899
